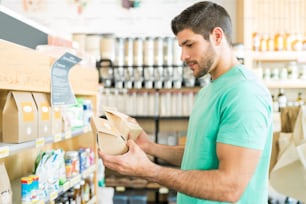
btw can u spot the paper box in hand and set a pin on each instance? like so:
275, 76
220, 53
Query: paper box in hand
126, 125
108, 137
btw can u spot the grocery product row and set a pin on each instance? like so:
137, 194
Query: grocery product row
54, 173
278, 42
27, 116
130, 51
165, 103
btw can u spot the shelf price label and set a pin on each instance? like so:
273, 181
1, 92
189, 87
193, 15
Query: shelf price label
4, 151
53, 195
75, 180
163, 190
57, 137
120, 188
66, 186
40, 142
88, 171
68, 134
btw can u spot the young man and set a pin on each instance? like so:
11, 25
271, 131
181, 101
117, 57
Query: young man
227, 152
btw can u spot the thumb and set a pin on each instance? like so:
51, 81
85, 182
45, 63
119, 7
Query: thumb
131, 144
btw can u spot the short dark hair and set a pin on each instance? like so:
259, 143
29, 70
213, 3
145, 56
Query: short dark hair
202, 18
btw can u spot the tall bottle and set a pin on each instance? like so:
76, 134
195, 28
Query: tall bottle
279, 42
299, 99
77, 194
282, 99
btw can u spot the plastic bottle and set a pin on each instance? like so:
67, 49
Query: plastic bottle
299, 99
86, 191
100, 174
92, 189
282, 99
77, 194
82, 191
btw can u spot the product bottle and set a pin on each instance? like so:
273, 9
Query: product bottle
275, 104
256, 41
100, 173
91, 183
86, 190
299, 99
282, 99
77, 194
278, 42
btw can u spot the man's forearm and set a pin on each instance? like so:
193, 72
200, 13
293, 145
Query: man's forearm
210, 185
171, 154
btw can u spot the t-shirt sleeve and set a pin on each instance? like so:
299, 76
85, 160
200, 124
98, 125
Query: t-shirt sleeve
245, 116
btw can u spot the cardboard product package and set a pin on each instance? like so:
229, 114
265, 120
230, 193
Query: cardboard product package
126, 125
44, 114
109, 139
288, 170
56, 121
6, 195
19, 118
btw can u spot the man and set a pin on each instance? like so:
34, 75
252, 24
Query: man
227, 151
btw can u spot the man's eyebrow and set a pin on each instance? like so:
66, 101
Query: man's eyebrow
184, 42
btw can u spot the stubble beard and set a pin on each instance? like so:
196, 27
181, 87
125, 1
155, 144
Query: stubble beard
206, 63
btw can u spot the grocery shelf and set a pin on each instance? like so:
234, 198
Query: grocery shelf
7, 149
67, 185
299, 56
287, 84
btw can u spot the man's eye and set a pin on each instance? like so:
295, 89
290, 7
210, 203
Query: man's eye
189, 45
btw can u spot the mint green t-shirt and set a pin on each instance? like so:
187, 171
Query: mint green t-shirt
234, 109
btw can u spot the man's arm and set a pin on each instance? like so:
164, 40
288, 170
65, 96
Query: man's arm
170, 154
227, 183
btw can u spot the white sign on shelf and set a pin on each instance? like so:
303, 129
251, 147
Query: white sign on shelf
61, 91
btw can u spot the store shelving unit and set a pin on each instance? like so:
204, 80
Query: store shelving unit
24, 69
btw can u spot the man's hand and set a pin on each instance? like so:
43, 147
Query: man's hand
133, 163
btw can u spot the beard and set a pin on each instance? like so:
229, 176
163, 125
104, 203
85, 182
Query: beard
206, 62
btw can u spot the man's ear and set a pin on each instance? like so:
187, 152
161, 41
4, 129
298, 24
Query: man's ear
217, 35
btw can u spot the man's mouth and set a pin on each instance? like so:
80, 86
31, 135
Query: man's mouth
191, 64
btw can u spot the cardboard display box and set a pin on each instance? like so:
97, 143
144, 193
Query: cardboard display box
44, 114
108, 138
19, 118
113, 133
126, 125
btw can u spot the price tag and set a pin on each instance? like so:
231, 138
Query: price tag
53, 196
66, 186
68, 135
57, 137
163, 190
4, 151
88, 171
120, 188
40, 142
75, 180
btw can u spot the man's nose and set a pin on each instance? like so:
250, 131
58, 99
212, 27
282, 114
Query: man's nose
184, 55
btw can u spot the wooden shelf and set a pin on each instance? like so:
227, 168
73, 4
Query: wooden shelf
278, 56
288, 84
24, 69
7, 149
